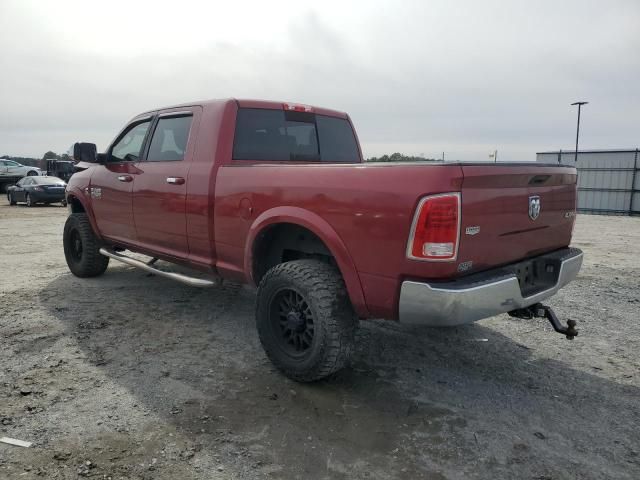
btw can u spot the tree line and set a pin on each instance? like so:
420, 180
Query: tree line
399, 157
38, 162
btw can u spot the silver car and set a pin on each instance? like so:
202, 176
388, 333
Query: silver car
9, 168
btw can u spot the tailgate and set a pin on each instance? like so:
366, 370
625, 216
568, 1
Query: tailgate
512, 212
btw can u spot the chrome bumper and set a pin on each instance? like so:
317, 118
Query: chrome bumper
458, 303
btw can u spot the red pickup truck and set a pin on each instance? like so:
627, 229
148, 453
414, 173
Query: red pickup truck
277, 195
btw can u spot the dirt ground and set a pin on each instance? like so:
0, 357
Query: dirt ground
133, 376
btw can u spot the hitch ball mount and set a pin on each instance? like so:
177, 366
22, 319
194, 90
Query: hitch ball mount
539, 310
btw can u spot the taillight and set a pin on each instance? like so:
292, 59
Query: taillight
435, 230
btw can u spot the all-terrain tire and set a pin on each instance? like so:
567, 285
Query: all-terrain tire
81, 247
323, 296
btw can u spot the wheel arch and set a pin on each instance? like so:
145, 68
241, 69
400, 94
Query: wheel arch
78, 204
302, 220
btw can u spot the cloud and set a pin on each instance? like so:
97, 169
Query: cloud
417, 77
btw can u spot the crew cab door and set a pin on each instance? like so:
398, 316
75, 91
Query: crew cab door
159, 191
112, 183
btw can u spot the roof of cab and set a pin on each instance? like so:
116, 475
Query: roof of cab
250, 103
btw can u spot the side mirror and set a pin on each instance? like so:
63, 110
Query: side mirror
84, 152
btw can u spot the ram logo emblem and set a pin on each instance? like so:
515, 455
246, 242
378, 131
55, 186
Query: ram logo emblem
534, 207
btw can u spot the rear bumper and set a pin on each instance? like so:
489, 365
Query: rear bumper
47, 197
484, 295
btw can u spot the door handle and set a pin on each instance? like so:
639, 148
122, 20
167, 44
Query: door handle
175, 180
125, 178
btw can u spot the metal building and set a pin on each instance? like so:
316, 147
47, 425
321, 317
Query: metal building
608, 180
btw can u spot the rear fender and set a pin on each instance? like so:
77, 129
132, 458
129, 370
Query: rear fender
324, 231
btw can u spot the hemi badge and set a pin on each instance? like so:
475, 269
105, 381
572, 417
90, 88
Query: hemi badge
472, 230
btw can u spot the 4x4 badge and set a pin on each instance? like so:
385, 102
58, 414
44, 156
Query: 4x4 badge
534, 207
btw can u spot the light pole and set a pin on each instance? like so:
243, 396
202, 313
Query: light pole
579, 104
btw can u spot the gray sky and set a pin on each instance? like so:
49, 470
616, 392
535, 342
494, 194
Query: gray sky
464, 77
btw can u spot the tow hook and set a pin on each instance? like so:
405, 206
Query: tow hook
539, 310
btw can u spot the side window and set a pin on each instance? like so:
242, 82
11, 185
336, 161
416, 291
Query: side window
337, 140
129, 146
170, 139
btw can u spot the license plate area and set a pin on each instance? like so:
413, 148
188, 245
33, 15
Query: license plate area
537, 275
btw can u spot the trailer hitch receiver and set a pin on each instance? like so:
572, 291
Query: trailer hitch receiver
539, 310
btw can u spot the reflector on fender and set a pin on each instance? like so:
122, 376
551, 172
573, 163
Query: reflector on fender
435, 231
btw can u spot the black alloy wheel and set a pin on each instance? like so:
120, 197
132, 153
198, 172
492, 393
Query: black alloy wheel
82, 247
305, 320
292, 320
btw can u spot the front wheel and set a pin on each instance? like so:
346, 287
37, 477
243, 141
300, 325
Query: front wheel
81, 247
305, 320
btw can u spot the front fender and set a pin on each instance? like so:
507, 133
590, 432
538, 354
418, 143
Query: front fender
320, 227
79, 195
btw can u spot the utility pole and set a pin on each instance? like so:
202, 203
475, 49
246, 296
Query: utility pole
579, 104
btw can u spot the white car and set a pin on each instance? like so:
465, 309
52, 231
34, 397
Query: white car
9, 168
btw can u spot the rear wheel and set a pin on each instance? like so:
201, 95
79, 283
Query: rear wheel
305, 320
81, 247
32, 173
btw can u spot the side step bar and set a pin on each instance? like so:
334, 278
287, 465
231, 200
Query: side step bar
179, 277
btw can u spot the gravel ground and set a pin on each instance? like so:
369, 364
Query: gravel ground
133, 376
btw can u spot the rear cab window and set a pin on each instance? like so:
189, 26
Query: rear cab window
282, 135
